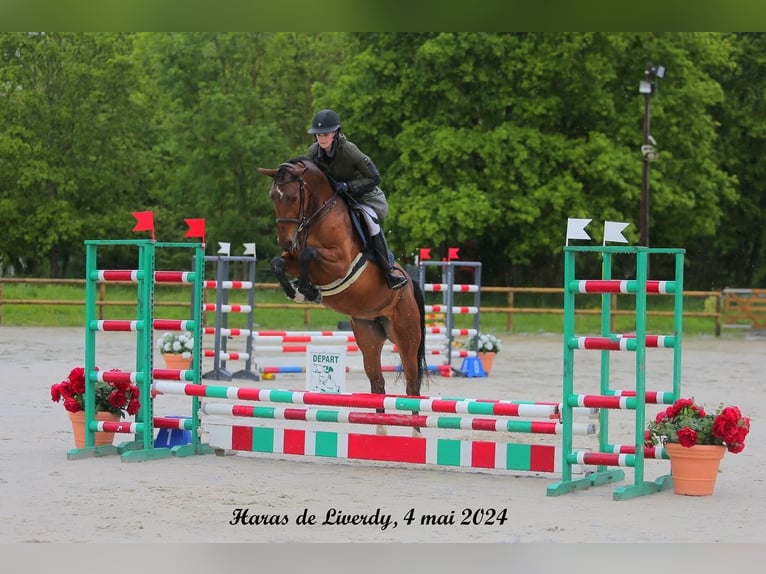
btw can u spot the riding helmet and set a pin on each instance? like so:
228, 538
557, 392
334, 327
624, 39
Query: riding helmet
325, 121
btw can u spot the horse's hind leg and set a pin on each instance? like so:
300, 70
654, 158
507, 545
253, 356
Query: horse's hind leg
407, 335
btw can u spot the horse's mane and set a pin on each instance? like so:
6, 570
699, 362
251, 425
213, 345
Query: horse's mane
299, 161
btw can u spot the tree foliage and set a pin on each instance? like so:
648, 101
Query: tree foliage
486, 141
500, 137
69, 145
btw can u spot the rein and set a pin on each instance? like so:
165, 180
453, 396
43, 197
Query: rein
303, 221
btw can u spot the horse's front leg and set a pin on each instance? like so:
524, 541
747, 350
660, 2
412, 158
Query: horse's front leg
279, 267
305, 284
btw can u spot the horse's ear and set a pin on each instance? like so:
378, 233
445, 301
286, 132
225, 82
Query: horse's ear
265, 171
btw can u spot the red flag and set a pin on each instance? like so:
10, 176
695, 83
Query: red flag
196, 228
425, 253
144, 221
452, 253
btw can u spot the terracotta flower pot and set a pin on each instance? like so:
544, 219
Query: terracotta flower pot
78, 428
487, 360
177, 361
694, 469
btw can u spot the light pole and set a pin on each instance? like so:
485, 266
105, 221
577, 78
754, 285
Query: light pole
648, 148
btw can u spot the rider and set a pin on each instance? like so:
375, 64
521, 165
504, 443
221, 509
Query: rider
353, 173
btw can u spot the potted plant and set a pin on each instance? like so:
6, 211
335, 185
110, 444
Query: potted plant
693, 436
113, 401
487, 347
176, 349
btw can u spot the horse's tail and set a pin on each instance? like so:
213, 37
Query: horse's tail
420, 300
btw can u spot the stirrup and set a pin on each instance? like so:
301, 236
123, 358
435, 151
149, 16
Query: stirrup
395, 282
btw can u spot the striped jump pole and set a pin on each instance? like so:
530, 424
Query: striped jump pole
456, 288
137, 275
624, 456
228, 308
651, 397
419, 421
456, 310
132, 326
621, 342
656, 452
506, 408
134, 427
620, 286
348, 335
226, 284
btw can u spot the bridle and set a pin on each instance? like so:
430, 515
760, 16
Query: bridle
303, 221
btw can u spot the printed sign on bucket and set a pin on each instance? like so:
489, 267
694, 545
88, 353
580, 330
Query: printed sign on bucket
326, 369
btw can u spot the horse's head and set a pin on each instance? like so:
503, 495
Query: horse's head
299, 193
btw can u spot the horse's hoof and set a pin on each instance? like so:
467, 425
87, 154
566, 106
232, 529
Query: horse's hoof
313, 296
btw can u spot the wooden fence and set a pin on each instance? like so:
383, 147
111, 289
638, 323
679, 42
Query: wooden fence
743, 309
728, 309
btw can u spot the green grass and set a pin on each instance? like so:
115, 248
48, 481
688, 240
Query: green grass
172, 302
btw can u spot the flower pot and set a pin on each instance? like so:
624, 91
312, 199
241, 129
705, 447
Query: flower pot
694, 469
78, 428
487, 360
177, 361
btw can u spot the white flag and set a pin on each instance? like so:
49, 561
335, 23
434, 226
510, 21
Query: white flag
576, 229
224, 248
613, 231
249, 249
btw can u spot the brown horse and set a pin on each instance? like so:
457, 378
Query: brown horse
322, 249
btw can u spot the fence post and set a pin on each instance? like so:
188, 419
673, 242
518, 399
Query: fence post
718, 314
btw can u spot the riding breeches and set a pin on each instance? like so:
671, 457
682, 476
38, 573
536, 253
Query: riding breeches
371, 219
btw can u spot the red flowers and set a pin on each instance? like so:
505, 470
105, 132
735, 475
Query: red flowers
732, 428
117, 398
687, 423
687, 437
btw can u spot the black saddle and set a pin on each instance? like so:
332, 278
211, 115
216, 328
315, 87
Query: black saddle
356, 221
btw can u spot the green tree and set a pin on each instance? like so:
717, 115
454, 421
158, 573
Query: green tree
498, 138
736, 256
70, 145
486, 141
228, 102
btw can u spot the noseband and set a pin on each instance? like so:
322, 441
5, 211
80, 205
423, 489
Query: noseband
301, 219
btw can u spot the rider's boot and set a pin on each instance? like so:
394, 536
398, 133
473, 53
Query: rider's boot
394, 279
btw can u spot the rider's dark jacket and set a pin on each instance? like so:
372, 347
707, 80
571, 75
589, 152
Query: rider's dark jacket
346, 162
